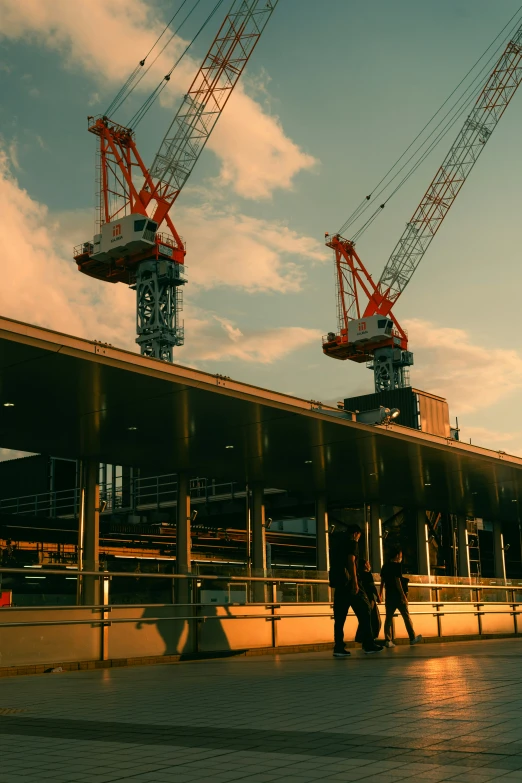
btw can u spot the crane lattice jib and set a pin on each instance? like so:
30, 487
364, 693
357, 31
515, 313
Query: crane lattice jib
442, 192
208, 95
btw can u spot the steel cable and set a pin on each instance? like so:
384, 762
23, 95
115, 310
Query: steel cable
369, 200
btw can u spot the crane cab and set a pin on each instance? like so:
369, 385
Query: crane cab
119, 248
124, 237
361, 338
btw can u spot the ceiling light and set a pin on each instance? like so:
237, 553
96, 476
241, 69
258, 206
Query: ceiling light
513, 501
229, 447
132, 429
8, 404
427, 484
308, 462
373, 474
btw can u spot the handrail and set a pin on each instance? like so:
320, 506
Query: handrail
204, 618
507, 585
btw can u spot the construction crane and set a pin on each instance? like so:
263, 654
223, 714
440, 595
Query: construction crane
134, 202
368, 330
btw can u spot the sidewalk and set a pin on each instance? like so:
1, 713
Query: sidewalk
433, 713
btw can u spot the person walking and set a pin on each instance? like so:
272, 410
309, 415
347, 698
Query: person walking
395, 586
367, 583
344, 555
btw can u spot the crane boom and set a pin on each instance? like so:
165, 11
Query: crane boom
449, 179
206, 98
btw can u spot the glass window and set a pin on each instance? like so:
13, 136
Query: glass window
139, 225
151, 226
381, 324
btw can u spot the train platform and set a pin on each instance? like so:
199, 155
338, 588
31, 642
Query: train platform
426, 713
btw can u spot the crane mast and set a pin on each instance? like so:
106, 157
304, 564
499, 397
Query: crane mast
129, 246
368, 330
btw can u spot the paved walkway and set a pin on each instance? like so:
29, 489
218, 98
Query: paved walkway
428, 713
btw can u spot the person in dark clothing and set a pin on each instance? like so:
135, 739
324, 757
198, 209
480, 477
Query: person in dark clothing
396, 588
367, 583
344, 555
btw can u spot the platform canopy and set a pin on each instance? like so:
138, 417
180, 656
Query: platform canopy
74, 398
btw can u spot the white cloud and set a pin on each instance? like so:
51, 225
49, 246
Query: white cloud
213, 338
41, 285
228, 248
510, 442
257, 157
106, 40
448, 363
44, 287
225, 247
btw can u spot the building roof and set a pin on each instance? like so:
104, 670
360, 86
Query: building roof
78, 398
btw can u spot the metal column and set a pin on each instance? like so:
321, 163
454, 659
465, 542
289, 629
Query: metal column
258, 540
423, 555
91, 530
322, 554
183, 544
376, 553
463, 550
321, 532
498, 551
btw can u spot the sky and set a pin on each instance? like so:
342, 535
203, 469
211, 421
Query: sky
333, 95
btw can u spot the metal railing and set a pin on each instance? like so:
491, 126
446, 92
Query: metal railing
266, 597
138, 494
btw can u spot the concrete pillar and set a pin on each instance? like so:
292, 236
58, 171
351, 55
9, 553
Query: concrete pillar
376, 554
498, 551
258, 541
423, 557
462, 542
90, 545
183, 543
322, 558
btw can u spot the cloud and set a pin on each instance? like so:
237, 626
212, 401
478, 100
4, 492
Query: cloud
511, 442
213, 338
41, 285
106, 41
226, 248
257, 157
448, 363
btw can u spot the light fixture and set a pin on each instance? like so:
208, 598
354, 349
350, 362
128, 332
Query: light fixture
8, 404
132, 429
308, 462
427, 484
229, 447
394, 413
373, 474
513, 501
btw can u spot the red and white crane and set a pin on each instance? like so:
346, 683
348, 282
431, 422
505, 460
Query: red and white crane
368, 330
134, 201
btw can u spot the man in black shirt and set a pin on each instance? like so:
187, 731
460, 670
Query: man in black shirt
396, 588
344, 555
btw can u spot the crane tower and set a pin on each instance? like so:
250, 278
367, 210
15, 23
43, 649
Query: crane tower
134, 202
